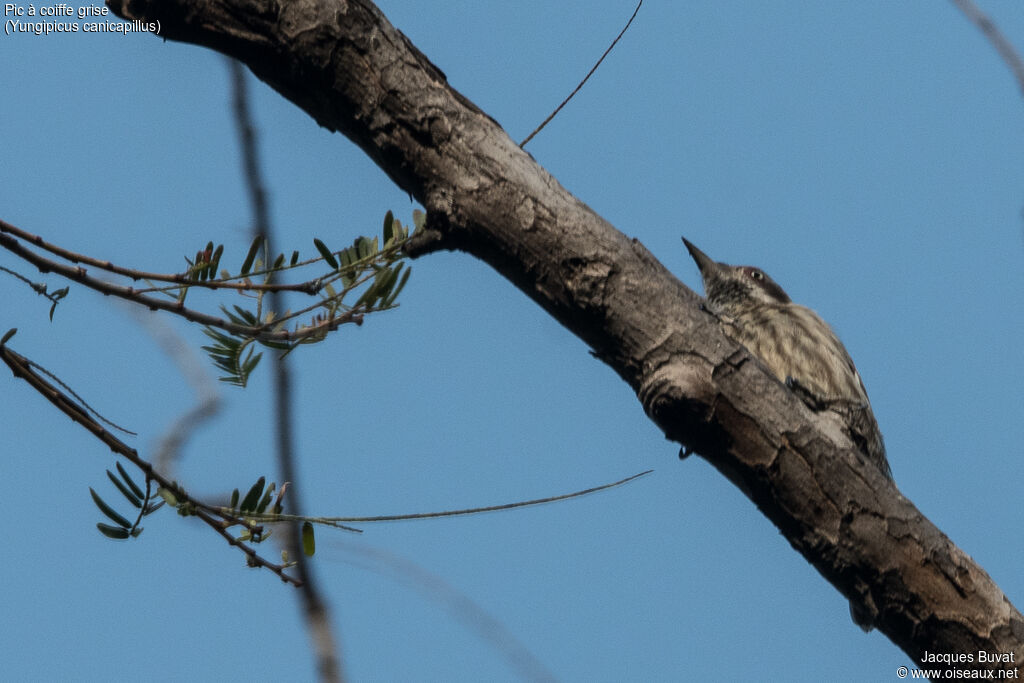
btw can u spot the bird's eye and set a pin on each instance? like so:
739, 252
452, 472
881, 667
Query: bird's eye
757, 274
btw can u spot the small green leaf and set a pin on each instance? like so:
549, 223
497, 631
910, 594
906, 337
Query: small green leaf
265, 501
419, 219
211, 270
368, 296
389, 227
234, 499
326, 253
348, 275
110, 512
10, 333
395, 292
278, 262
295, 258
389, 282
251, 256
250, 363
114, 532
128, 480
308, 540
248, 316
131, 497
251, 498
367, 247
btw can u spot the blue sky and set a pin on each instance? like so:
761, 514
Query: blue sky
867, 155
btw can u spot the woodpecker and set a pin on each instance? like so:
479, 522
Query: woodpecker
801, 350
794, 343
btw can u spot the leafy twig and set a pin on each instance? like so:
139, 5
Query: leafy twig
40, 289
25, 369
354, 273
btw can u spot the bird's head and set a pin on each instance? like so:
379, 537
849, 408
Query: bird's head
728, 288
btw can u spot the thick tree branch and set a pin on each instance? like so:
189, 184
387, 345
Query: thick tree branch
345, 65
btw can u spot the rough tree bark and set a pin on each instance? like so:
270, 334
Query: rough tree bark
345, 65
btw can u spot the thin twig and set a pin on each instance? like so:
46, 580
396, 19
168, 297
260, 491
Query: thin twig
996, 37
490, 508
38, 288
208, 401
177, 279
585, 78
81, 400
316, 610
460, 605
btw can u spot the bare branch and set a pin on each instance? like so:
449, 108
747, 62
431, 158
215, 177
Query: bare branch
315, 608
996, 37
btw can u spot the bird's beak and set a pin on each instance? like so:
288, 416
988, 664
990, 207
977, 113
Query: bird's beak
704, 262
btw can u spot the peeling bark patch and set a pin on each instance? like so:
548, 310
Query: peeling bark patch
587, 280
526, 213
